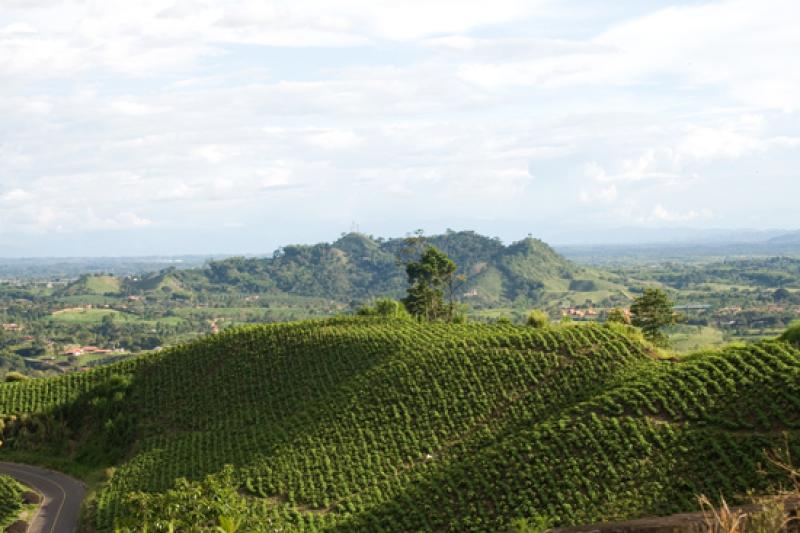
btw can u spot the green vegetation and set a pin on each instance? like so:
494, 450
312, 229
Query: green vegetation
618, 315
385, 307
429, 278
358, 267
792, 334
10, 500
685, 338
94, 284
138, 310
16, 376
91, 316
367, 424
537, 319
651, 312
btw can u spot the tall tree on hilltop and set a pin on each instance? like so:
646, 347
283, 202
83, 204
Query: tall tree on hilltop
651, 312
429, 278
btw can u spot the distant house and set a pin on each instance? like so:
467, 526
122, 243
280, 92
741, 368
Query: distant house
78, 351
692, 307
95, 349
12, 327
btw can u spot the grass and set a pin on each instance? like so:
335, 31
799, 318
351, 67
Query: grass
102, 284
691, 338
92, 316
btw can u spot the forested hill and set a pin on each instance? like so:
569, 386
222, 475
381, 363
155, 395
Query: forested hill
358, 267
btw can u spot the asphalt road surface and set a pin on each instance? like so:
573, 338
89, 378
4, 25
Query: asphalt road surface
62, 497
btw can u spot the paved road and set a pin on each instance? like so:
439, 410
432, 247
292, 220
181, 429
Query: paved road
62, 497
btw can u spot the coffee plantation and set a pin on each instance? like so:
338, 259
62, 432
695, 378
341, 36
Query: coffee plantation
368, 424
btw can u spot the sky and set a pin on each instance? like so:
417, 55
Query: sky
172, 127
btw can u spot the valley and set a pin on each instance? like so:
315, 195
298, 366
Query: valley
58, 323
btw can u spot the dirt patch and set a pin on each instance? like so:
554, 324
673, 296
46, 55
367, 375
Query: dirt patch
18, 527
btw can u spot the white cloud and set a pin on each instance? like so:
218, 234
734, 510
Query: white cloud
603, 195
133, 108
180, 191
158, 113
215, 153
14, 196
126, 220
740, 48
660, 214
333, 139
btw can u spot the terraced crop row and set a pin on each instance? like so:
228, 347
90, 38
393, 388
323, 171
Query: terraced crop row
372, 425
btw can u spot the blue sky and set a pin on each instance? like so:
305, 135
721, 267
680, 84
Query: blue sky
238, 126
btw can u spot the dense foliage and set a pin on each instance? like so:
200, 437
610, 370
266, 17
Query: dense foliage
372, 424
360, 267
10, 500
429, 278
651, 312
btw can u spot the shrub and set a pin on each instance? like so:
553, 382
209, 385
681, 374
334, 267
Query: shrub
385, 307
792, 334
538, 319
583, 285
619, 316
16, 376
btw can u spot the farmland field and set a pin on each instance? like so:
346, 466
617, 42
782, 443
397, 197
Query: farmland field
91, 316
368, 424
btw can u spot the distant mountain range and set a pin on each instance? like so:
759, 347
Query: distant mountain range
788, 238
634, 236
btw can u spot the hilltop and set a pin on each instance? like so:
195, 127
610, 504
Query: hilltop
365, 425
359, 267
97, 284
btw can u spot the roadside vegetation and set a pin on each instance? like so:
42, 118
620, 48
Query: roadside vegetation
10, 500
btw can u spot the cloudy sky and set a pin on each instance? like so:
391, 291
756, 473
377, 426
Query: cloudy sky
237, 126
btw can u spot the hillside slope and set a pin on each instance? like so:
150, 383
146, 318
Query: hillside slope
359, 267
365, 425
93, 284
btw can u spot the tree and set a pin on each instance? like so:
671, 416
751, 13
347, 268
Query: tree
651, 312
538, 319
782, 295
429, 278
792, 334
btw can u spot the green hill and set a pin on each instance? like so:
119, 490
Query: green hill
93, 284
164, 282
368, 425
358, 267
